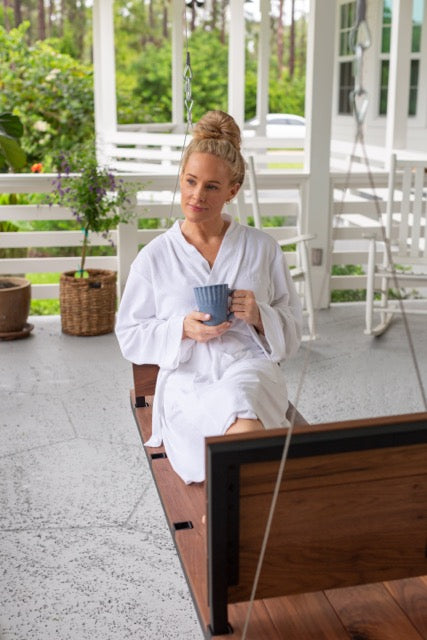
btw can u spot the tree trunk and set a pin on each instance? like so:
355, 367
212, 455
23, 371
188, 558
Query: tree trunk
302, 46
50, 17
6, 14
151, 17
165, 21
61, 19
193, 17
223, 9
292, 42
214, 15
280, 41
42, 21
18, 12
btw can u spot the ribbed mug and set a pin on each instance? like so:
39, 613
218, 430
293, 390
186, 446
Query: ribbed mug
213, 299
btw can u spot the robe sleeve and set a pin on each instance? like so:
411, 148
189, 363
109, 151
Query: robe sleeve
282, 318
142, 336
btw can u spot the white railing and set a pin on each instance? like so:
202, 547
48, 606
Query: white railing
281, 194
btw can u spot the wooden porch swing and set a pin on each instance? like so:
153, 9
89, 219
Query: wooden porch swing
352, 511
346, 557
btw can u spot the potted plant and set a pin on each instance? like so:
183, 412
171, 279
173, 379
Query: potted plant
15, 292
99, 200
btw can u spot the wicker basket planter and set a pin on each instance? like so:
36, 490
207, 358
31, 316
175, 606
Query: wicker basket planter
88, 305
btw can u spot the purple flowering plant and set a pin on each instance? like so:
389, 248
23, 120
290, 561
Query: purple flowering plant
98, 199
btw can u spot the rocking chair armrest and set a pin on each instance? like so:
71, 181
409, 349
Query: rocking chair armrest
370, 236
305, 237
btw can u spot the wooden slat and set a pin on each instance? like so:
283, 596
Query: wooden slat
311, 547
312, 616
181, 502
370, 613
186, 503
261, 625
339, 468
307, 616
144, 380
411, 595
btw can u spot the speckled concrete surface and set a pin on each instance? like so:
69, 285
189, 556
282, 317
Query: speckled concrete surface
349, 375
85, 552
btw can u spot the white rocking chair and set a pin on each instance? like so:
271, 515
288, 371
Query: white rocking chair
406, 237
301, 272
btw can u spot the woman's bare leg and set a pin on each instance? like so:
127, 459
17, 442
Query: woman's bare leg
245, 424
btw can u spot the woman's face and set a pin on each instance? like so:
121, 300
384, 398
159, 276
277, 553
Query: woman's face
205, 187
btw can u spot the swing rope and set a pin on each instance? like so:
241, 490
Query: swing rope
361, 40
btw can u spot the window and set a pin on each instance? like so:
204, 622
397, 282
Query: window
417, 20
345, 57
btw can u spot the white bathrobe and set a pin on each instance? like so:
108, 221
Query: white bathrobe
203, 387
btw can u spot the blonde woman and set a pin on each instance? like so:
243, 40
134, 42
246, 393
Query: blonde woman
218, 379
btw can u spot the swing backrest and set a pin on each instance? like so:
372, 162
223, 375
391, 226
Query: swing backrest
351, 510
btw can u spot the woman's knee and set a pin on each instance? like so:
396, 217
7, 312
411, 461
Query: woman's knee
242, 425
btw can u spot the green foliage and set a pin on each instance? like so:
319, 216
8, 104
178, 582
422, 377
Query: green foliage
11, 154
144, 81
149, 223
12, 252
287, 95
347, 295
98, 199
151, 97
44, 308
50, 92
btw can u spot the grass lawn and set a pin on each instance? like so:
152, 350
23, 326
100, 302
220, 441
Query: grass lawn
46, 307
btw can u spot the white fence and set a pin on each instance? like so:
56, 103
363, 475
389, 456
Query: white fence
282, 193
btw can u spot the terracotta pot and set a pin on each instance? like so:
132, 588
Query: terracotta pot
15, 299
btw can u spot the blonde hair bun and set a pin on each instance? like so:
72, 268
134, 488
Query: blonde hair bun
218, 134
218, 125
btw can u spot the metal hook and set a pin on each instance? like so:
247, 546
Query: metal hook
188, 100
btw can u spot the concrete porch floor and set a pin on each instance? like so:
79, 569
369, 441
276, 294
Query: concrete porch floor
85, 552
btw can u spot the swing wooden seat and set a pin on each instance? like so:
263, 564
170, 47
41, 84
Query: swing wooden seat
352, 512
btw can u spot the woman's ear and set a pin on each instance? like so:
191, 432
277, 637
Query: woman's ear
234, 190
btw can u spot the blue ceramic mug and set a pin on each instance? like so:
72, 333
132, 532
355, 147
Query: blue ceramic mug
214, 299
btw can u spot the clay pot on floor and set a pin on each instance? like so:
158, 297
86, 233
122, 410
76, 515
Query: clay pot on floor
15, 299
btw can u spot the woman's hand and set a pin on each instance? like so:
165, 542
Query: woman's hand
194, 328
244, 307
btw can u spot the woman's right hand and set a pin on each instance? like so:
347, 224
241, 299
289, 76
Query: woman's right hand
194, 328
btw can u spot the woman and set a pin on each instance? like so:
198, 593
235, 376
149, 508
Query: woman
213, 379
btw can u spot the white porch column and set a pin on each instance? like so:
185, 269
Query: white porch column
177, 65
236, 62
318, 113
104, 72
399, 75
263, 66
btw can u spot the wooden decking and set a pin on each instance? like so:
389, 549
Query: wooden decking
394, 610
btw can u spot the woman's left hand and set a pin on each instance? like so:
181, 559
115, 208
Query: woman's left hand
244, 307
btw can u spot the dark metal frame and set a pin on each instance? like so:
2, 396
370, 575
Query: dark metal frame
223, 460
